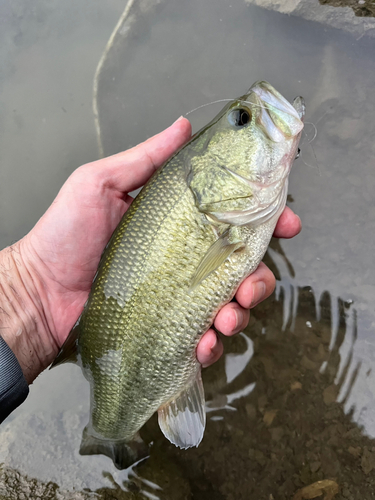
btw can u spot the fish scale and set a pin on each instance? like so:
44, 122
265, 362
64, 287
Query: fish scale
198, 308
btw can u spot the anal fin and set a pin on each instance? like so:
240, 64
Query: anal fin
183, 419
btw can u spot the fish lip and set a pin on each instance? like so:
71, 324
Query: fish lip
269, 95
278, 118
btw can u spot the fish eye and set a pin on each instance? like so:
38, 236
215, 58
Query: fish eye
239, 117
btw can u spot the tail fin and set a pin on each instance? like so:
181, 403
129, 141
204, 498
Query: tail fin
123, 453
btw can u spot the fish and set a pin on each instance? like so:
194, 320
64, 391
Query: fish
197, 229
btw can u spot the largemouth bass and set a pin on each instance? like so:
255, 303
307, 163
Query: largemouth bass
199, 226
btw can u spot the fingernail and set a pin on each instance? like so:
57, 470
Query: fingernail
240, 318
178, 119
300, 223
212, 355
259, 290
213, 347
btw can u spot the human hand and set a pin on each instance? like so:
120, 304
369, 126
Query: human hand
57, 261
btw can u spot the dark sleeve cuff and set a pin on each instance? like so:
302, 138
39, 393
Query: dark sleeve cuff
13, 386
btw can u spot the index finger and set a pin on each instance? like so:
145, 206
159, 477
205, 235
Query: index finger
288, 225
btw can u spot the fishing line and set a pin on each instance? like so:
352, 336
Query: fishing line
309, 142
224, 100
208, 104
323, 115
315, 132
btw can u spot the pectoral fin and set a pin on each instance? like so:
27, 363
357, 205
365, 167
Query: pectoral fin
68, 351
183, 419
215, 256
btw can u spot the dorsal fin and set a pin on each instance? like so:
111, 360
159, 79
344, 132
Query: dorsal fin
68, 351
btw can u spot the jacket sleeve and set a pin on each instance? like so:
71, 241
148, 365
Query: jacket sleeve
13, 386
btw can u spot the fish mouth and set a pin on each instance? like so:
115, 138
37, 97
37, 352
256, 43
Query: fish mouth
269, 95
278, 118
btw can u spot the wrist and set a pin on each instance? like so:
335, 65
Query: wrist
23, 325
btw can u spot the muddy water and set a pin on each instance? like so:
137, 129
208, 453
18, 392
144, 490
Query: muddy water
292, 401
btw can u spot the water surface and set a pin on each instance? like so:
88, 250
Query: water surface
292, 401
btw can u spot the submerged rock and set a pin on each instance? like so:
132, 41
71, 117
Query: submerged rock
338, 17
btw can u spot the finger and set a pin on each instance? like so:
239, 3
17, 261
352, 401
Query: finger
288, 225
232, 319
209, 349
130, 169
257, 287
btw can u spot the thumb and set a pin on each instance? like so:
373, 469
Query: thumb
130, 169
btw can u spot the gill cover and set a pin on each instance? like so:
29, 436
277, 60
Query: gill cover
240, 177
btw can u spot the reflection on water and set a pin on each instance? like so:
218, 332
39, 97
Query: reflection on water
292, 401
